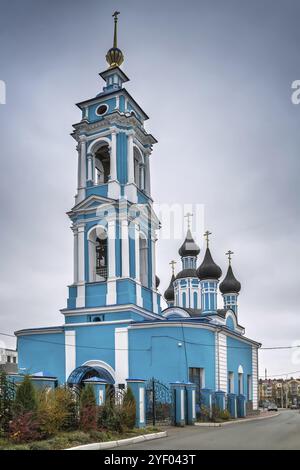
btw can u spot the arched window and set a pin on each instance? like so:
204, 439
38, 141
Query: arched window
101, 258
102, 165
98, 254
144, 260
139, 169
184, 299
195, 300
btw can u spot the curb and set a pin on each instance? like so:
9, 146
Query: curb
237, 421
121, 442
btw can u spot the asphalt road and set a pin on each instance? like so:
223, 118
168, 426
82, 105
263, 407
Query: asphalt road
278, 432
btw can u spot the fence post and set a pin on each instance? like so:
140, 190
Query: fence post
191, 402
99, 387
178, 389
138, 388
220, 400
232, 405
241, 406
206, 399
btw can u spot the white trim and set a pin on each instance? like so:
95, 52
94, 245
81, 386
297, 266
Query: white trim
240, 370
194, 404
221, 362
102, 114
97, 141
111, 297
121, 355
104, 365
70, 352
142, 404
182, 404
99, 323
255, 377
125, 248
111, 308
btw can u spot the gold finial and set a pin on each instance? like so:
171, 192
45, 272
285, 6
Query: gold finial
206, 235
229, 254
189, 215
115, 16
115, 56
172, 263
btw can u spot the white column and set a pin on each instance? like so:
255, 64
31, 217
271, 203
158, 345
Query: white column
111, 234
137, 251
147, 170
82, 182
111, 298
130, 159
80, 301
90, 167
255, 377
121, 355
221, 362
139, 298
125, 248
70, 352
113, 157
75, 254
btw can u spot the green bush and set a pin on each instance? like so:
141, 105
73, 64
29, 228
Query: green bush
110, 417
57, 411
129, 409
26, 400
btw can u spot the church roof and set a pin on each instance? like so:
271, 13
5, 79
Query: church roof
209, 269
189, 247
169, 293
230, 284
188, 272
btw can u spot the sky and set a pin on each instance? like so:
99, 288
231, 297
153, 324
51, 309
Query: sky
215, 78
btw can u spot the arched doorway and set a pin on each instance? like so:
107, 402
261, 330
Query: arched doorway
85, 372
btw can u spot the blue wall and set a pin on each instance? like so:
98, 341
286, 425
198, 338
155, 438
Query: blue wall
155, 353
239, 353
37, 353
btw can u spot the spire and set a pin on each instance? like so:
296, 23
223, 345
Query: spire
230, 285
115, 56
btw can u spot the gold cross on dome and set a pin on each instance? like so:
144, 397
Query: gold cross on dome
206, 235
172, 263
229, 253
189, 215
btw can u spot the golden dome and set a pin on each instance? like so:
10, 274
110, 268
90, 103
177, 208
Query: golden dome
115, 56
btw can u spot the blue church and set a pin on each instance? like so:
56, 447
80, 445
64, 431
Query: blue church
113, 325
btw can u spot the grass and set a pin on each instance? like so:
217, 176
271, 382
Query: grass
65, 440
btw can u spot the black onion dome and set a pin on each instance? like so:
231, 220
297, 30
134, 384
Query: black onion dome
189, 247
209, 269
230, 285
186, 273
157, 281
169, 293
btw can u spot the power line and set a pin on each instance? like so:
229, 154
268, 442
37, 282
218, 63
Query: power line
273, 348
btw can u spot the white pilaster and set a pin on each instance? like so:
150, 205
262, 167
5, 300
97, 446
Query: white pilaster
255, 377
80, 300
137, 251
70, 352
221, 362
153, 256
130, 159
111, 234
90, 167
121, 355
75, 254
111, 298
113, 156
125, 248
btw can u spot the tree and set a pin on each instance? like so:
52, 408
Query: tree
88, 409
7, 395
26, 400
129, 409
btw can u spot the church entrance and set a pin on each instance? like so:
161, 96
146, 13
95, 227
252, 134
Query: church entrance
82, 373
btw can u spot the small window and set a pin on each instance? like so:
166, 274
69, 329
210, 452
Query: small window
102, 109
96, 319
